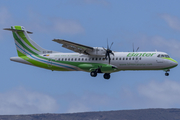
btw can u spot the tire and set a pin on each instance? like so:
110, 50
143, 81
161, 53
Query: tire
93, 74
106, 76
166, 74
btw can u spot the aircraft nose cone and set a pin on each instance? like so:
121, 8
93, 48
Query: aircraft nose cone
174, 63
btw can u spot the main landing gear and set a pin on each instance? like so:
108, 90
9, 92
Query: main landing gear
94, 74
107, 75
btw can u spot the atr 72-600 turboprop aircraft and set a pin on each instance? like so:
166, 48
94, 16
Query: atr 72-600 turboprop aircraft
89, 59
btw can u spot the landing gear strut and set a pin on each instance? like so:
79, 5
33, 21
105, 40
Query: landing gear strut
107, 75
94, 73
167, 74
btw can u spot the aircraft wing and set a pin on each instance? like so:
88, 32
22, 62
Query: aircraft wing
75, 46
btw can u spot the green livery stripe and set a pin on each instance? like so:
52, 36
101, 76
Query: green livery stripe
170, 59
21, 34
18, 27
22, 44
27, 49
40, 64
20, 54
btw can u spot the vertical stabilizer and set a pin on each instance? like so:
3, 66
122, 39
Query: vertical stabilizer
24, 44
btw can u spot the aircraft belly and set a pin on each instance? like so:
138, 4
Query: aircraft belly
139, 65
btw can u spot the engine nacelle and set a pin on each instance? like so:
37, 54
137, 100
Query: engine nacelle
97, 51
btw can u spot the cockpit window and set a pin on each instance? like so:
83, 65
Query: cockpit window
167, 56
163, 55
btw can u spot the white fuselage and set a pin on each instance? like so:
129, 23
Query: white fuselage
141, 60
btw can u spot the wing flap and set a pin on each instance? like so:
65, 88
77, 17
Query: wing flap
75, 46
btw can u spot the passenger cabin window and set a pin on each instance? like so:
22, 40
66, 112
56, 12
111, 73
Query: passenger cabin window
119, 58
116, 58
71, 59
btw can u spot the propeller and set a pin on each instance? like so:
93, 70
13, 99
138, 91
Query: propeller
136, 49
108, 51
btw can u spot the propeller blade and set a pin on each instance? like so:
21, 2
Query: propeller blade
112, 53
107, 44
106, 55
133, 47
137, 49
104, 48
111, 45
109, 58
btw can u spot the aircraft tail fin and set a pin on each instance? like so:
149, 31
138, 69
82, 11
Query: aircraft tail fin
24, 44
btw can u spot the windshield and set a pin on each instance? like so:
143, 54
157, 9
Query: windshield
163, 55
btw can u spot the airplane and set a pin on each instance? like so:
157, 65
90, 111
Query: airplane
89, 59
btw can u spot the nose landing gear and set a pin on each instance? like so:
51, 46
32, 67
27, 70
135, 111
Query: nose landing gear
167, 74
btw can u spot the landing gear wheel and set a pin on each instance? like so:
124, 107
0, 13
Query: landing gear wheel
166, 74
93, 74
107, 75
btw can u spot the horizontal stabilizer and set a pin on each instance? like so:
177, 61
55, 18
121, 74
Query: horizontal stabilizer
17, 30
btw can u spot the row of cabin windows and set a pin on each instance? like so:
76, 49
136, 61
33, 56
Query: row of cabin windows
86, 59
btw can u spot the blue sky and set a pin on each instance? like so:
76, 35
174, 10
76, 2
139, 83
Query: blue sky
151, 25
